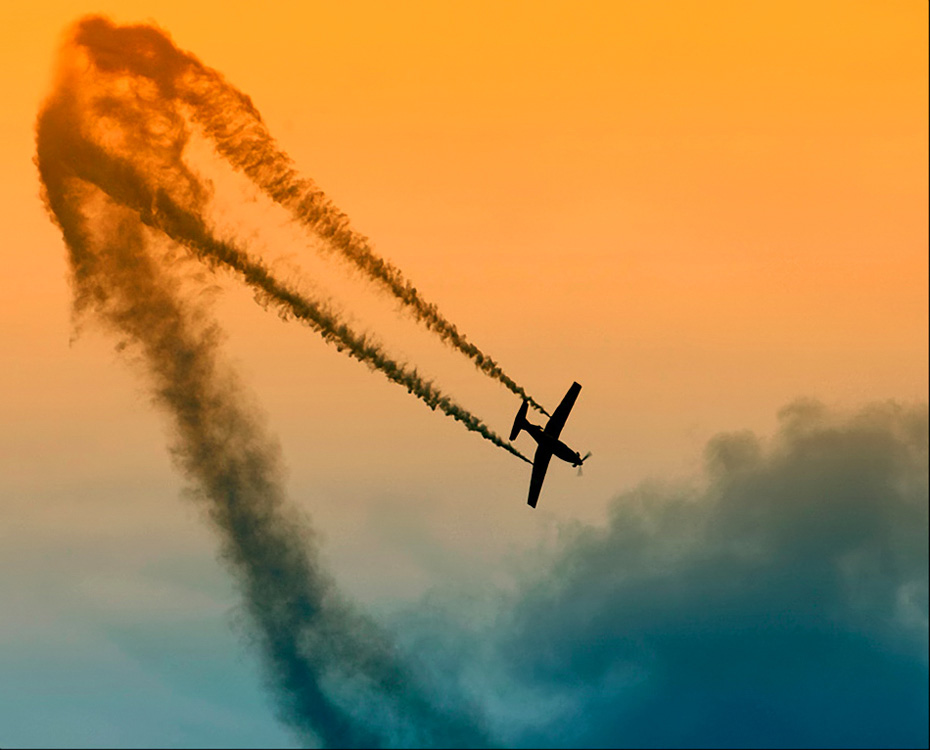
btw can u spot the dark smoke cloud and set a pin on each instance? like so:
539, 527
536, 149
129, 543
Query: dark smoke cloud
336, 674
783, 603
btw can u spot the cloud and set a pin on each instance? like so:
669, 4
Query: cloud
781, 602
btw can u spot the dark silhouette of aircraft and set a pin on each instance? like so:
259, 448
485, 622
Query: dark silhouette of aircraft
548, 439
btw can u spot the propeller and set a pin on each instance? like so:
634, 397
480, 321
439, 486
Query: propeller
586, 457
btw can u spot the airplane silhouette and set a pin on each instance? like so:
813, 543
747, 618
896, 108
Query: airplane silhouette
548, 439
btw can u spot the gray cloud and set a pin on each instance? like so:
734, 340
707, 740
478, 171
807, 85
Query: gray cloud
781, 602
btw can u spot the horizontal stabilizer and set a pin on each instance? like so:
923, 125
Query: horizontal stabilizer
520, 421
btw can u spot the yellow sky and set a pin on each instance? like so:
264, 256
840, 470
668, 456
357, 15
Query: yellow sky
698, 210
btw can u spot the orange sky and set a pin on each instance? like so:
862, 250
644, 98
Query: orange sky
699, 215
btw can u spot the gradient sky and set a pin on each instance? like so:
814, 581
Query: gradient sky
701, 216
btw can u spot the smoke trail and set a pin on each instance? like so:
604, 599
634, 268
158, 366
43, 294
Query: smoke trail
231, 121
337, 675
119, 179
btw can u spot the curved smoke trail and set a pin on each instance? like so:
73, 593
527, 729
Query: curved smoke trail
109, 159
234, 125
140, 167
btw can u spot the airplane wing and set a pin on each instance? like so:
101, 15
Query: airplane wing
557, 421
540, 464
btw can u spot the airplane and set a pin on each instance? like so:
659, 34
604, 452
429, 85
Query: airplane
548, 439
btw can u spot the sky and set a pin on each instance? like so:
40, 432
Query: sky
714, 219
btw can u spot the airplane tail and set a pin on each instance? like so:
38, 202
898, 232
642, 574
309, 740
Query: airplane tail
520, 421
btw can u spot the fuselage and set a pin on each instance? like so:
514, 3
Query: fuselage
556, 446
